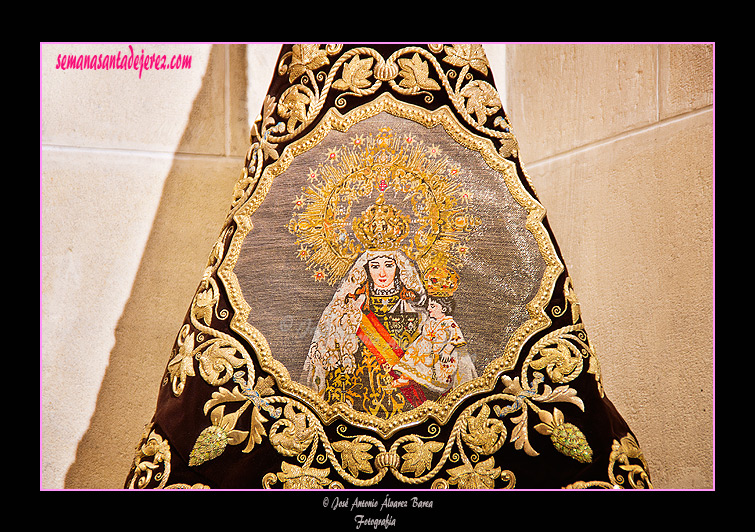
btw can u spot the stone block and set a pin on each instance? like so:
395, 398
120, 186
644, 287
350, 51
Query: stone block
563, 96
634, 220
686, 78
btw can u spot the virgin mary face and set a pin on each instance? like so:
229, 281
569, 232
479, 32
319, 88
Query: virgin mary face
382, 270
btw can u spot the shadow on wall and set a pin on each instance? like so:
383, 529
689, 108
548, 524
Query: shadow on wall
195, 200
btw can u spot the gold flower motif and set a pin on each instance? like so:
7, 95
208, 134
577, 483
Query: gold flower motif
295, 437
485, 435
216, 363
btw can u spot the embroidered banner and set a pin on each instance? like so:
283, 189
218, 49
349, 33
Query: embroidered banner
386, 305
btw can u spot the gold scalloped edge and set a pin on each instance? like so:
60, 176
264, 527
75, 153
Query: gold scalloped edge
441, 411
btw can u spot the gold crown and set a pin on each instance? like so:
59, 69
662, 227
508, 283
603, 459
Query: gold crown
441, 281
381, 226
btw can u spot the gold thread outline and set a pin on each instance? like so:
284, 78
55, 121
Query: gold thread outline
441, 411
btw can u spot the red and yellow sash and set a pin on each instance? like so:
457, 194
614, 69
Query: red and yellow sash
378, 340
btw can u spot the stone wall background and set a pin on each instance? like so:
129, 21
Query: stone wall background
137, 175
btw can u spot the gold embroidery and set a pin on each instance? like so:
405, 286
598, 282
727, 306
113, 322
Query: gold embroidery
292, 435
355, 455
414, 459
152, 460
484, 435
220, 354
212, 441
419, 456
362, 460
561, 353
295, 477
301, 104
152, 464
441, 219
416, 74
332, 120
622, 454
481, 476
355, 74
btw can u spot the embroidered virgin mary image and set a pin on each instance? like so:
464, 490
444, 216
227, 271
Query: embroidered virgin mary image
382, 345
381, 270
388, 338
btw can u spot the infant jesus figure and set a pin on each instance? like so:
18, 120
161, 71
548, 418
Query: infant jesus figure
436, 360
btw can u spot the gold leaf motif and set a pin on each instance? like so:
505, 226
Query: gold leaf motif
355, 455
472, 55
269, 149
257, 430
520, 435
415, 72
306, 57
355, 74
295, 477
563, 394
481, 476
224, 395
204, 303
419, 456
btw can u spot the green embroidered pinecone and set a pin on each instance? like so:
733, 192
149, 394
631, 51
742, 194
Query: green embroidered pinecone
210, 444
569, 440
